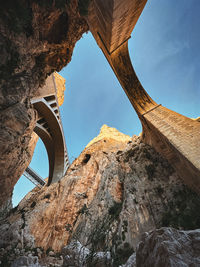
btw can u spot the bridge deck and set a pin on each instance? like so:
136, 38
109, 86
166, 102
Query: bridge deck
49, 128
173, 135
35, 178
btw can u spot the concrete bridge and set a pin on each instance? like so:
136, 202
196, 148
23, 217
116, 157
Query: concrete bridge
49, 129
173, 135
34, 177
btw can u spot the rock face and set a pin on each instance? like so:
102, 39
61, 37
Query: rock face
111, 134
6, 205
60, 85
198, 119
169, 247
36, 38
16, 157
75, 254
114, 191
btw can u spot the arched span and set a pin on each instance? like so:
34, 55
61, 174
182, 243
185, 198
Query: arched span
48, 142
49, 129
173, 135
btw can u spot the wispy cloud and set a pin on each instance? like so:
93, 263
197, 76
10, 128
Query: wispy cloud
171, 49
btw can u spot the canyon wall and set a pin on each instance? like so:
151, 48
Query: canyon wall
36, 38
117, 189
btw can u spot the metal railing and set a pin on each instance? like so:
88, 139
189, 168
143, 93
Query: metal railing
35, 178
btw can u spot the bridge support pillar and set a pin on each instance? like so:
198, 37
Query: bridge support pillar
177, 138
173, 135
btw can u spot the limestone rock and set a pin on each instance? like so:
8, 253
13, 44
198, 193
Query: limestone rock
24, 261
75, 254
60, 85
16, 123
169, 247
7, 204
131, 262
110, 133
6, 207
36, 39
116, 190
198, 119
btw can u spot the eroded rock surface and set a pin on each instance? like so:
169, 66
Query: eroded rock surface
36, 38
169, 247
116, 190
60, 86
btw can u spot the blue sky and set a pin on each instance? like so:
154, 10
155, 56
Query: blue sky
165, 53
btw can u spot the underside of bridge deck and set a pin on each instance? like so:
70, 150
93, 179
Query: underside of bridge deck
49, 129
175, 136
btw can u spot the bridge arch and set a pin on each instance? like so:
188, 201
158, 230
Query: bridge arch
49, 129
173, 135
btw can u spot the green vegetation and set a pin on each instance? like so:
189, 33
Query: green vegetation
68, 228
104, 235
23, 218
115, 210
125, 229
83, 210
22, 211
83, 7
122, 254
146, 153
130, 153
150, 169
183, 211
48, 250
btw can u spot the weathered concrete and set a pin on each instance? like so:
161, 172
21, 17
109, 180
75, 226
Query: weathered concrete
178, 139
175, 136
112, 21
49, 129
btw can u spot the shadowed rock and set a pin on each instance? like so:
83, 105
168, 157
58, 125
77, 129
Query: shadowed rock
106, 202
36, 38
168, 247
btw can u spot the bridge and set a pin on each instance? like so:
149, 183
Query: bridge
34, 177
173, 135
49, 128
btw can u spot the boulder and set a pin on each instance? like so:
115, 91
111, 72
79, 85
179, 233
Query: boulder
168, 247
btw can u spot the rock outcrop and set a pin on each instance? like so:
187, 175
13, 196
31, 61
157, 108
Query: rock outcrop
60, 85
169, 247
117, 189
110, 134
6, 204
36, 38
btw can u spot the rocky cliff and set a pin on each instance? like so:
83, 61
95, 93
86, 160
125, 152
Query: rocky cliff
117, 189
60, 86
23, 164
36, 38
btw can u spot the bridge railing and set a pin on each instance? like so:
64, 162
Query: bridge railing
35, 178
